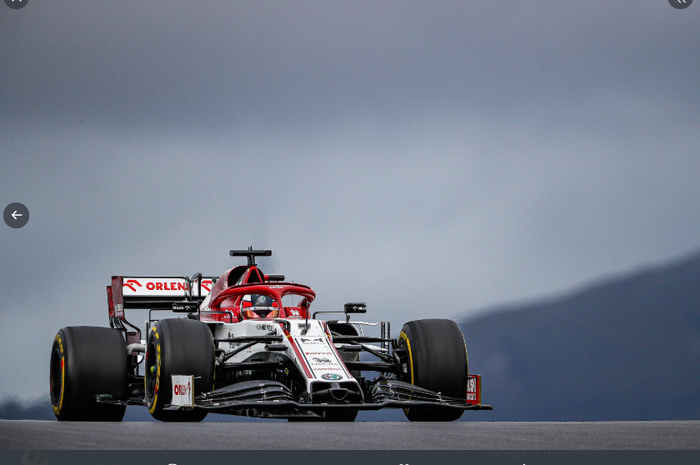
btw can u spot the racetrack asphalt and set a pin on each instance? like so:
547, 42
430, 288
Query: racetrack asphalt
52, 435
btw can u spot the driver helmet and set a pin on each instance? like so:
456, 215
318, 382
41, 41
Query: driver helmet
259, 306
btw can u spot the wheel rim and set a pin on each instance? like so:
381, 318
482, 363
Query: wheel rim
151, 370
56, 376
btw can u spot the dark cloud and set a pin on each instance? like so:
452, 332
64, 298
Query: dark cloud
177, 63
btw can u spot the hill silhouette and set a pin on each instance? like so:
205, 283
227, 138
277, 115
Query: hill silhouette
624, 349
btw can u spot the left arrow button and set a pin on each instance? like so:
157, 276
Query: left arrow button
16, 215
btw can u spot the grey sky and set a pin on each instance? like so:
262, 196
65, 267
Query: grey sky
430, 158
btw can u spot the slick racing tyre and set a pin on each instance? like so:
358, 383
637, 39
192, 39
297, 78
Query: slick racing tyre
177, 347
87, 361
435, 359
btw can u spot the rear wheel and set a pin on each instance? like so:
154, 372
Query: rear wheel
87, 361
177, 347
436, 359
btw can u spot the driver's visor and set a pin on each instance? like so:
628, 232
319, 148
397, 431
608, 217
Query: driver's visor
247, 303
261, 313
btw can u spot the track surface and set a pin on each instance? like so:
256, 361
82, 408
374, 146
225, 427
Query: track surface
37, 435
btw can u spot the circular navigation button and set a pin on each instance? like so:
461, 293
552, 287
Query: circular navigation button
16, 215
16, 4
680, 4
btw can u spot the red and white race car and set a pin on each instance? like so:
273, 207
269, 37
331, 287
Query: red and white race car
248, 344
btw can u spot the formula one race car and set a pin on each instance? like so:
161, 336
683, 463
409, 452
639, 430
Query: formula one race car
248, 345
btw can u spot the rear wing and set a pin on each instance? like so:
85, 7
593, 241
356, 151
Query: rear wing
152, 292
155, 292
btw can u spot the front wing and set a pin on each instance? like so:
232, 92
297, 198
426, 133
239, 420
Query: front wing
274, 399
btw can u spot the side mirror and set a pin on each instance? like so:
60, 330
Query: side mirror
185, 307
355, 308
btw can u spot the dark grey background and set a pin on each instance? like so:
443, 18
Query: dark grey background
352, 457
429, 158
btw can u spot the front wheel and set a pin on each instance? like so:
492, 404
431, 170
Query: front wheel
177, 347
436, 359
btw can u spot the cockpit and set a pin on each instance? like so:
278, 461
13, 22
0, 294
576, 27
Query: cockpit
259, 306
